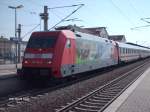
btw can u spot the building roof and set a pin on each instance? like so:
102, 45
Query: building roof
117, 37
94, 30
3, 39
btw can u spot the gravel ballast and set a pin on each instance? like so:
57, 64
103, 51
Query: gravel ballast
58, 98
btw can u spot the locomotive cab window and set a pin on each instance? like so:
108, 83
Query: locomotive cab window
68, 43
41, 42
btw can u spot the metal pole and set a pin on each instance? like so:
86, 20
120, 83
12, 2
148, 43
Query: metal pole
15, 8
15, 23
16, 36
16, 55
45, 18
19, 42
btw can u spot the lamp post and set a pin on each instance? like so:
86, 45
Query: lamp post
15, 8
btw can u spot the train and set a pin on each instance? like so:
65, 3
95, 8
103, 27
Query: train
63, 53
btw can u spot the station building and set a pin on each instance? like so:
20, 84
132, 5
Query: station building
8, 50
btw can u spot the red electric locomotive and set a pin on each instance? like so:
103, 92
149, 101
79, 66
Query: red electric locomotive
63, 53
47, 52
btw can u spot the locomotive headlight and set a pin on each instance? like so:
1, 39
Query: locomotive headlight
49, 62
26, 62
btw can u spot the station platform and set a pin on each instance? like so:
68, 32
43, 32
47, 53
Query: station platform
134, 99
8, 70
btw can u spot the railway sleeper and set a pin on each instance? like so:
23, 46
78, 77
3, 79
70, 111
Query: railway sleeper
94, 103
99, 98
78, 109
104, 98
112, 92
98, 101
91, 106
106, 95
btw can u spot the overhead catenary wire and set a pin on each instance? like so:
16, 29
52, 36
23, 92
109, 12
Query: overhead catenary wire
144, 19
67, 16
134, 8
30, 31
140, 27
121, 12
59, 7
56, 14
66, 6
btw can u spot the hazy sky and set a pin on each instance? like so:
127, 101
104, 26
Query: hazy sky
119, 16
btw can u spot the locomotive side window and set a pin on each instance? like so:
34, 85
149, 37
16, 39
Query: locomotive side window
68, 43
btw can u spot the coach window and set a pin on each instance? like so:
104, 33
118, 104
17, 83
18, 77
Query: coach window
130, 51
120, 50
68, 43
123, 50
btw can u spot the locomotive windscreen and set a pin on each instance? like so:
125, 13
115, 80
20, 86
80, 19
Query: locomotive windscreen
41, 42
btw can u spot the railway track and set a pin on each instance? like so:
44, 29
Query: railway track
99, 99
28, 96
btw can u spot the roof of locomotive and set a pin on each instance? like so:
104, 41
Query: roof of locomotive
93, 37
68, 33
76, 34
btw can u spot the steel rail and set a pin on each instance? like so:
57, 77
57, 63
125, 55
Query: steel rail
99, 99
27, 96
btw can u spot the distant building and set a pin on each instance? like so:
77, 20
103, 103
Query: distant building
8, 49
98, 31
119, 38
5, 48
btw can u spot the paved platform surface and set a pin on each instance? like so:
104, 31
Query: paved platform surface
136, 98
8, 69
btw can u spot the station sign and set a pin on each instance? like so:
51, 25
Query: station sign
14, 39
